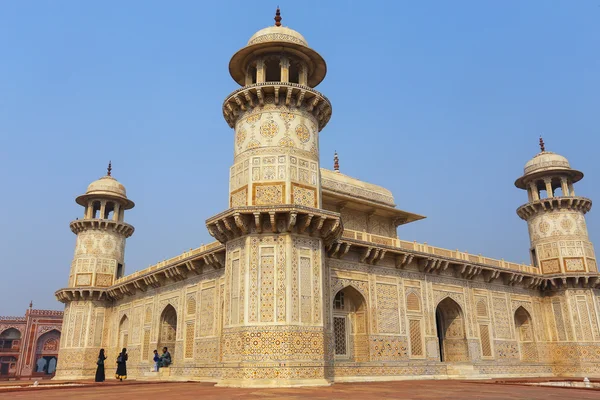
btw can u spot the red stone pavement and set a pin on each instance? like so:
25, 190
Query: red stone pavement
438, 389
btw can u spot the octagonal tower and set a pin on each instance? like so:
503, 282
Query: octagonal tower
555, 216
275, 332
97, 263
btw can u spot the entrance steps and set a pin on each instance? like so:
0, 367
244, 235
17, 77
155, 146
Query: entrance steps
461, 371
163, 373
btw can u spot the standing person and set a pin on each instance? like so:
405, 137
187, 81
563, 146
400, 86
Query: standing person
165, 358
122, 365
156, 360
100, 370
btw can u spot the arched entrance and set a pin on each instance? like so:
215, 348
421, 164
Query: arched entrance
452, 338
47, 353
350, 325
10, 340
123, 332
524, 328
168, 328
10, 343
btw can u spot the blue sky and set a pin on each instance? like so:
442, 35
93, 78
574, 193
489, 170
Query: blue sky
441, 102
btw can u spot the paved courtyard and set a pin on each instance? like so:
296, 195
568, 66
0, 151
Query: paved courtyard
441, 389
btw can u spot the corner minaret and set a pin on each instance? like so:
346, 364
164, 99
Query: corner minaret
277, 116
101, 234
97, 263
276, 327
555, 216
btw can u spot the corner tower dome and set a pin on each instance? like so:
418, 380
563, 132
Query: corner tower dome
279, 38
107, 186
546, 163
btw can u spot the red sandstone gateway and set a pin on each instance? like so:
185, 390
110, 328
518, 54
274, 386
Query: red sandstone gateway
29, 345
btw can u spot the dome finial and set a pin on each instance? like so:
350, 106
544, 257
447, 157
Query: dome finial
109, 168
336, 162
542, 145
277, 17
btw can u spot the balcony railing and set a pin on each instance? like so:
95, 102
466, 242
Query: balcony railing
437, 251
9, 350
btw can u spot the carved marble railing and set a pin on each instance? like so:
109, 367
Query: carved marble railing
45, 313
437, 251
16, 319
185, 255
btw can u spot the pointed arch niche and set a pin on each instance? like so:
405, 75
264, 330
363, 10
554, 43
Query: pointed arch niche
350, 325
525, 335
452, 338
123, 332
168, 328
47, 353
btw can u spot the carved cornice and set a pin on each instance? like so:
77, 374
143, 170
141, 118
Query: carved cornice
573, 203
67, 295
285, 93
173, 270
80, 225
239, 221
372, 253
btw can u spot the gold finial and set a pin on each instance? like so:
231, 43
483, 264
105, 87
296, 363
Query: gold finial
336, 162
109, 168
542, 145
31, 304
277, 17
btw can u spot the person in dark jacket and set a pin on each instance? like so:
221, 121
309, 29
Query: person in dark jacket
100, 377
122, 365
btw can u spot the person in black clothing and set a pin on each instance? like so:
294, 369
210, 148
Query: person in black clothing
122, 365
100, 370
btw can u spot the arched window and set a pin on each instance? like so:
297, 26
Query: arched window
96, 205
123, 332
412, 302
47, 352
525, 335
350, 325
10, 340
109, 210
251, 78
273, 70
294, 73
482, 309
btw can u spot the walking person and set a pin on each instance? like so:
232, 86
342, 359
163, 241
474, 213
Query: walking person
100, 377
122, 365
156, 360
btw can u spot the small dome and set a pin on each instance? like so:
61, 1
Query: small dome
277, 38
547, 164
106, 187
546, 161
277, 34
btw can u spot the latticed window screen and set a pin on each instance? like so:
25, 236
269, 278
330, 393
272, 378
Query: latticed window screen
339, 333
416, 342
338, 302
482, 309
189, 340
191, 305
146, 344
412, 302
486, 348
